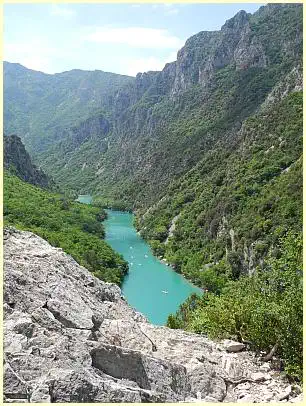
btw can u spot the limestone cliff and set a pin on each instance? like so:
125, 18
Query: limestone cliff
137, 135
18, 161
162, 124
69, 337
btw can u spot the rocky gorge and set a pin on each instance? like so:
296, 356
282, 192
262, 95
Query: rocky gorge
207, 154
70, 337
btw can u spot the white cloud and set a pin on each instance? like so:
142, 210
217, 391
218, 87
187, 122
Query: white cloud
61, 11
172, 57
33, 55
138, 37
134, 66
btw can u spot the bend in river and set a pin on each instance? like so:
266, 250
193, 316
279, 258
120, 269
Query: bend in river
151, 287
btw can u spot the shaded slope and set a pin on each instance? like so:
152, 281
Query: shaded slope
18, 161
165, 122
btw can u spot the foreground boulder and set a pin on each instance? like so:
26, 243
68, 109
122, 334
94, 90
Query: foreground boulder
69, 337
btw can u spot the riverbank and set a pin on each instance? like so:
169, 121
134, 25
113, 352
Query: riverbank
153, 288
136, 279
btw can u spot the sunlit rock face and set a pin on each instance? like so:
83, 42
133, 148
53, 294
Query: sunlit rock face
69, 337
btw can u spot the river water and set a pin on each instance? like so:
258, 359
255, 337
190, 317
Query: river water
151, 287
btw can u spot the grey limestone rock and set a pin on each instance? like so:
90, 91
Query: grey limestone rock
233, 346
69, 337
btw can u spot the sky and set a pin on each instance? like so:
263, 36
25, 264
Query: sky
119, 38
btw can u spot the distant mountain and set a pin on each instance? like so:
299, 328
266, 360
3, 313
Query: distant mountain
176, 136
156, 127
208, 154
18, 162
42, 107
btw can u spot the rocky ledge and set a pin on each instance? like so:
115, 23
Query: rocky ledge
69, 337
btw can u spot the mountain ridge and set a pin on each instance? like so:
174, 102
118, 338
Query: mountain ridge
149, 118
64, 99
208, 155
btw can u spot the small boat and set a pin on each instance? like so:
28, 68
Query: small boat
165, 291
146, 256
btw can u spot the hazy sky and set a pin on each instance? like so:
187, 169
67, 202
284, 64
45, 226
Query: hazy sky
116, 38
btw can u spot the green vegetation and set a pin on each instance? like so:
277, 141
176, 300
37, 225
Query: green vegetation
192, 127
264, 309
106, 203
152, 138
238, 235
45, 106
18, 162
74, 227
231, 214
214, 141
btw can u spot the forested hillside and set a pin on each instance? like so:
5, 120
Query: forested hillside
165, 122
42, 108
74, 227
154, 128
208, 154
237, 202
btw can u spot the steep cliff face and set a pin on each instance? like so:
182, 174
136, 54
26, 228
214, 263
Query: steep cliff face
236, 203
163, 134
218, 80
241, 42
209, 154
95, 128
18, 161
69, 337
206, 52
163, 123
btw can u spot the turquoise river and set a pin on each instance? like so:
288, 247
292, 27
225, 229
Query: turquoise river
151, 287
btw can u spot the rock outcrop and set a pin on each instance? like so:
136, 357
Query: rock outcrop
69, 337
18, 161
138, 134
92, 128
